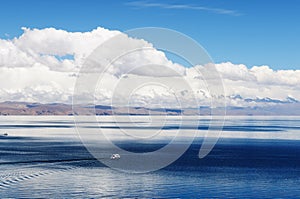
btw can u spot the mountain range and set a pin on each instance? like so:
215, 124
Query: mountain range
270, 107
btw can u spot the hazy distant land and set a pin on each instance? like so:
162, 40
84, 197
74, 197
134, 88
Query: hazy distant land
26, 108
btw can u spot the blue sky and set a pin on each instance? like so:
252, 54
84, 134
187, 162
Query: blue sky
248, 32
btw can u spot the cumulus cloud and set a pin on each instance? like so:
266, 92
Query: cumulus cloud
35, 84
258, 83
12, 56
46, 46
42, 66
53, 48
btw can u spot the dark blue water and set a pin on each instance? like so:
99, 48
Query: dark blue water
48, 167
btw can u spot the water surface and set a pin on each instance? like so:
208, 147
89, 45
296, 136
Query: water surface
254, 158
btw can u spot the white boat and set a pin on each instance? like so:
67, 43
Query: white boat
115, 156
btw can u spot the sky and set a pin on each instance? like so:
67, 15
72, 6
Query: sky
45, 47
242, 32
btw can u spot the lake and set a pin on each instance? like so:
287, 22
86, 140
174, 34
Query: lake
48, 157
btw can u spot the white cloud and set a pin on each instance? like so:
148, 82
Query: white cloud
35, 84
12, 56
48, 47
259, 82
52, 41
45, 45
33, 68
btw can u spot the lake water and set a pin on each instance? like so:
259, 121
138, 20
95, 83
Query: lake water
44, 157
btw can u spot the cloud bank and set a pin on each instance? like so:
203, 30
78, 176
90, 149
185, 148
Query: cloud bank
42, 65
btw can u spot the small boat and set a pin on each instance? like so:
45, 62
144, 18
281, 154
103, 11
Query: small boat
115, 156
5, 134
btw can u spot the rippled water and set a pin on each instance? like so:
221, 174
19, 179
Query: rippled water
254, 158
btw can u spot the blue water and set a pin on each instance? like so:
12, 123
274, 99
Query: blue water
256, 158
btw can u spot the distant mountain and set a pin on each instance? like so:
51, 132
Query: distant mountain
277, 107
264, 100
24, 108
